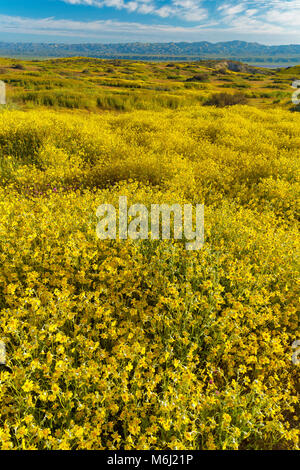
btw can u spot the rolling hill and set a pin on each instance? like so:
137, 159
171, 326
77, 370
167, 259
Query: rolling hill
250, 52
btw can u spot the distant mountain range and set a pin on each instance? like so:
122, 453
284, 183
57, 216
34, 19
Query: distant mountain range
240, 50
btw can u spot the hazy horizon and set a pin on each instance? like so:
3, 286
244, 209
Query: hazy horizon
146, 42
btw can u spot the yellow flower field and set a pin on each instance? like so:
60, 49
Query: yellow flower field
145, 345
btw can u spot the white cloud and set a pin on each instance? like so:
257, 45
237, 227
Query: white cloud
189, 10
90, 29
272, 17
279, 12
275, 21
285, 13
231, 10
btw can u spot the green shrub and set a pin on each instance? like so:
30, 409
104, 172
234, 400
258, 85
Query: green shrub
220, 100
203, 77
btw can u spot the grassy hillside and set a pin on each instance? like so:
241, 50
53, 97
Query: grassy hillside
97, 85
145, 345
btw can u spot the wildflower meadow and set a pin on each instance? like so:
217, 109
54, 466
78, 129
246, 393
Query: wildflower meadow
142, 344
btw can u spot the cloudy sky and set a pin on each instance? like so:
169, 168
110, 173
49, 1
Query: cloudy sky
268, 22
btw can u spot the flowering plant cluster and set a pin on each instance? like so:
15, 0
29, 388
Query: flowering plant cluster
142, 344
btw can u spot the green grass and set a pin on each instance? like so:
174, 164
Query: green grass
123, 85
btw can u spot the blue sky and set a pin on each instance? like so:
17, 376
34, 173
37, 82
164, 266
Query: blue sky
268, 22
